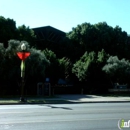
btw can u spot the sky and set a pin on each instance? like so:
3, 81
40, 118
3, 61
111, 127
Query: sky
66, 14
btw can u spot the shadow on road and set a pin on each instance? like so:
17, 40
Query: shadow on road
66, 108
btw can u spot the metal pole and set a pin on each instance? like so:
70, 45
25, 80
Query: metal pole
23, 55
22, 99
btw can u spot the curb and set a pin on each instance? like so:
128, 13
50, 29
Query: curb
62, 102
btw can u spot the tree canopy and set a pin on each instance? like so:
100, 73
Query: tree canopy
87, 54
58, 67
10, 66
8, 30
118, 70
88, 37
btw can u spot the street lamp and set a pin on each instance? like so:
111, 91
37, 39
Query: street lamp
23, 55
23, 47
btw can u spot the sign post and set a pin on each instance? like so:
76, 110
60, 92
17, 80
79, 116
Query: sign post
23, 55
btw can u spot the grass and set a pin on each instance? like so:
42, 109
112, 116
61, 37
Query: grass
9, 102
47, 101
32, 100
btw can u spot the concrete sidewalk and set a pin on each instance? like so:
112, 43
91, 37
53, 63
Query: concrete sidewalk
92, 98
64, 99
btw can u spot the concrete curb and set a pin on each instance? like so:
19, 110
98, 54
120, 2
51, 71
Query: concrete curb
63, 102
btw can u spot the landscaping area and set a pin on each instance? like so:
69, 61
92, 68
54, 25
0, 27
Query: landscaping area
93, 56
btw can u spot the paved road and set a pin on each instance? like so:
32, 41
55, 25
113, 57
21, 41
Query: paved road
96, 116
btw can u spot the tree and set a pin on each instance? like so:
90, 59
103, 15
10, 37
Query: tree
83, 66
88, 70
65, 67
52, 70
2, 60
102, 57
88, 37
58, 68
36, 64
118, 70
8, 30
26, 34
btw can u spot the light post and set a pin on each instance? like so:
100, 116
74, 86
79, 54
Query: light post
23, 55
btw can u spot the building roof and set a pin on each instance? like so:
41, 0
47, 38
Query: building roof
47, 27
48, 33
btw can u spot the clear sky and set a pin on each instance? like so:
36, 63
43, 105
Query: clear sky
65, 14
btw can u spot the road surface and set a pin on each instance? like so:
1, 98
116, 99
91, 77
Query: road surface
87, 116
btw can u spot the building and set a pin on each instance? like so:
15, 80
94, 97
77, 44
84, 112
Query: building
48, 37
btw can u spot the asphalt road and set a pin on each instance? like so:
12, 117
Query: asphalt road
89, 116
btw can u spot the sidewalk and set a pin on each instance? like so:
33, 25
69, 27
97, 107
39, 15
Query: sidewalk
64, 99
93, 98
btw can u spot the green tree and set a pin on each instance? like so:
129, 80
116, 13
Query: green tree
58, 68
83, 66
27, 34
36, 65
10, 66
7, 30
88, 37
52, 70
88, 70
102, 57
2, 59
65, 67
118, 70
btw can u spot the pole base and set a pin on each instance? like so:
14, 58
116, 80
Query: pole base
22, 99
